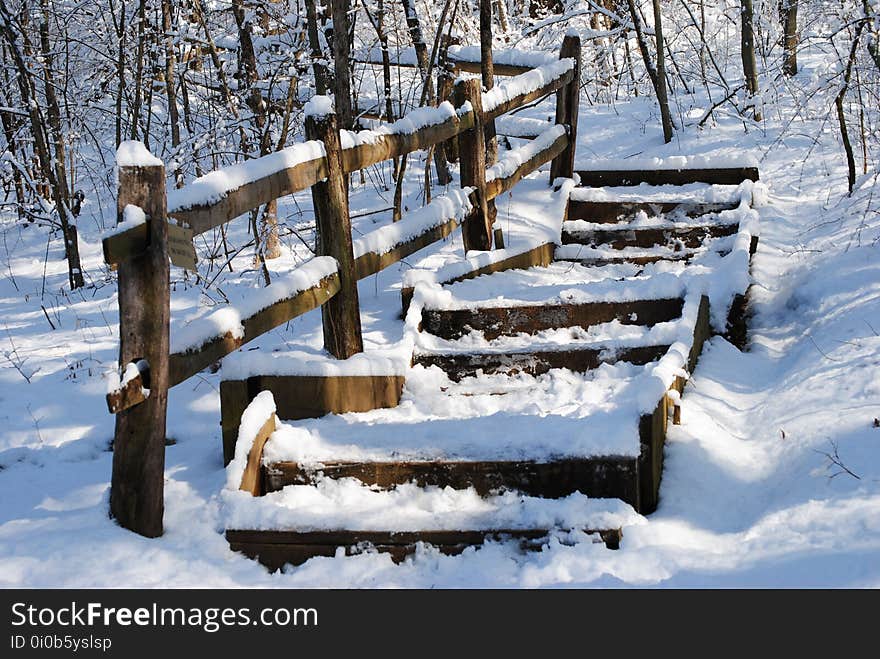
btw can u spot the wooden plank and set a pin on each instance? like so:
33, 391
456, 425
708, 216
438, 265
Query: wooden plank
599, 476
458, 65
274, 549
617, 211
252, 478
305, 397
341, 314
138, 479
527, 97
235, 396
567, 104
125, 245
372, 262
462, 365
132, 393
184, 365
499, 186
715, 175
498, 321
688, 237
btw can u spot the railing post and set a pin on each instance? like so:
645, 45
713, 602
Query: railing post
567, 100
341, 314
137, 483
477, 226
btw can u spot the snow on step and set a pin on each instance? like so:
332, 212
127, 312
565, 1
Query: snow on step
347, 504
593, 255
560, 413
697, 193
558, 283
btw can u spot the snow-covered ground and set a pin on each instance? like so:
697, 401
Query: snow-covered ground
751, 494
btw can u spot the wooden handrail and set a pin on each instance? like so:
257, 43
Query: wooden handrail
186, 363
303, 175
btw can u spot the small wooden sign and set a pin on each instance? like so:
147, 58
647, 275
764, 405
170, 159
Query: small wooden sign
180, 247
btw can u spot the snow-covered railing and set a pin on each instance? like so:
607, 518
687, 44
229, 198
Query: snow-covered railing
156, 354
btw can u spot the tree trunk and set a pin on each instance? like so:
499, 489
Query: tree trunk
170, 90
658, 75
841, 116
750, 65
139, 71
788, 10
319, 67
487, 72
342, 63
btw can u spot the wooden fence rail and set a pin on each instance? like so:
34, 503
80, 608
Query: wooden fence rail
141, 252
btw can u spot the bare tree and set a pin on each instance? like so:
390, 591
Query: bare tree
657, 75
788, 12
750, 65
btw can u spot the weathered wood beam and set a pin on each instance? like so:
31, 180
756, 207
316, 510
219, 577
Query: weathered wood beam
600, 476
511, 320
274, 549
138, 480
715, 175
499, 186
252, 478
536, 362
522, 99
184, 365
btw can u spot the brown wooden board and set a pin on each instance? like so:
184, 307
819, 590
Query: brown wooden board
305, 397
540, 255
274, 549
252, 478
715, 175
186, 364
510, 320
602, 212
689, 237
600, 476
132, 393
458, 366
372, 262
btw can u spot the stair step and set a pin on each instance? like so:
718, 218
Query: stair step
603, 255
622, 236
610, 212
275, 549
597, 477
512, 318
683, 176
460, 365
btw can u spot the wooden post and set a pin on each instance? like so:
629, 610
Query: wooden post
567, 100
137, 484
341, 314
477, 227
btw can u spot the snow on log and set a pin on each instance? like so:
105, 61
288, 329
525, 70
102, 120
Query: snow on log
257, 425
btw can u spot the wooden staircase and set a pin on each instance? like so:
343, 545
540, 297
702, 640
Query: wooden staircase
619, 306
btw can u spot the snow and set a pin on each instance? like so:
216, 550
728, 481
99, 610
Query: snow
454, 205
318, 106
525, 83
511, 160
255, 415
132, 216
213, 187
132, 153
347, 504
410, 123
192, 333
244, 364
749, 496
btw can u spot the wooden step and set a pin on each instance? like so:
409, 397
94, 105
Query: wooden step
274, 549
713, 175
603, 212
690, 236
598, 477
495, 321
459, 365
